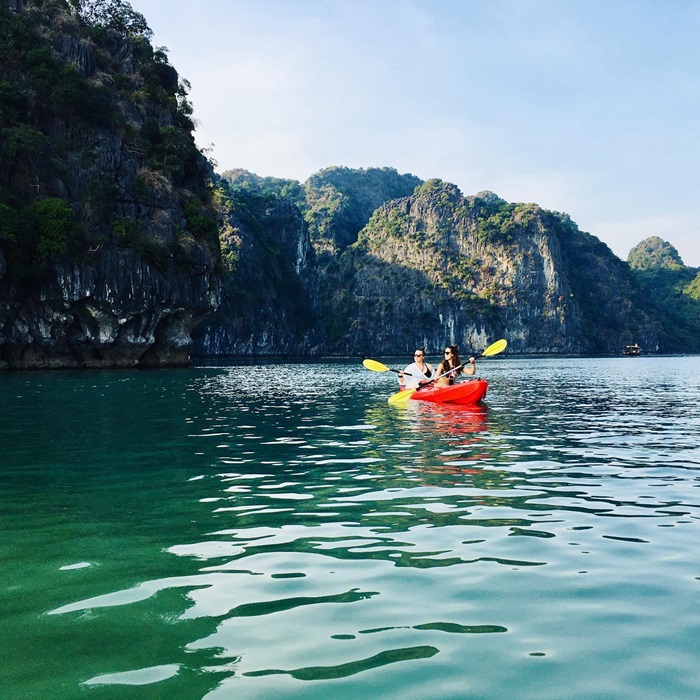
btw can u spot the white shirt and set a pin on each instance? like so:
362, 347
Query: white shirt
416, 375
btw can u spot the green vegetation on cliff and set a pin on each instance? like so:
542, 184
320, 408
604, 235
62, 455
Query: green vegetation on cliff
109, 219
38, 233
340, 201
654, 253
242, 180
673, 291
336, 202
92, 115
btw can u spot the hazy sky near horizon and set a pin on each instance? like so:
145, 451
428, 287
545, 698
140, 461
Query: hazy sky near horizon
589, 107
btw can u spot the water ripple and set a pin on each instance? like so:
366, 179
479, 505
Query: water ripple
285, 531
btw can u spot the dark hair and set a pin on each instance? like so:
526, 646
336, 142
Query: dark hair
454, 361
455, 356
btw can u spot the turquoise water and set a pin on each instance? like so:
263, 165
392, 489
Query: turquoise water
242, 532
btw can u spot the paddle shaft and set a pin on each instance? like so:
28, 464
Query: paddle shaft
400, 371
444, 374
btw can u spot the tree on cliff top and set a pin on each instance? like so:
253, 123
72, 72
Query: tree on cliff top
653, 252
113, 14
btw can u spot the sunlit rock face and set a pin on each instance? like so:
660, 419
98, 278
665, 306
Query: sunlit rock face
437, 268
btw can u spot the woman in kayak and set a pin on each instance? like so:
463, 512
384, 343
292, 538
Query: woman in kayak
420, 371
452, 367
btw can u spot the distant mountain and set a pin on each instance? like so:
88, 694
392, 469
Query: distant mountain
673, 290
340, 201
654, 253
437, 267
282, 241
390, 262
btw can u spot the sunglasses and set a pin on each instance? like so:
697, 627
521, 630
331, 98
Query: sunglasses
419, 354
448, 352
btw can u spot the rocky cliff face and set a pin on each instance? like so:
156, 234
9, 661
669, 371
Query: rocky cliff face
114, 311
282, 244
271, 292
112, 225
109, 244
397, 263
437, 268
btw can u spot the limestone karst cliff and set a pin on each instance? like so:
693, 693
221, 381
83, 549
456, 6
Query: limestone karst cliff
118, 242
282, 243
109, 250
437, 268
270, 299
398, 263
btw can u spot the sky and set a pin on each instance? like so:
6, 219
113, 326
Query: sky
588, 107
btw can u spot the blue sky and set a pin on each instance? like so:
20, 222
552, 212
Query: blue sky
584, 106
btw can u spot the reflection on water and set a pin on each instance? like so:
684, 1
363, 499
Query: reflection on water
281, 529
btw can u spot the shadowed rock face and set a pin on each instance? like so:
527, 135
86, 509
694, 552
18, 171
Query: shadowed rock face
270, 302
116, 311
107, 134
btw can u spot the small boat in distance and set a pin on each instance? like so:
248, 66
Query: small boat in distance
632, 350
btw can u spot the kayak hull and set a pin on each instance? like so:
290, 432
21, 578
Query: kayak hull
464, 394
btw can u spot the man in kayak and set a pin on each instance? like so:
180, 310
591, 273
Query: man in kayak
419, 371
452, 367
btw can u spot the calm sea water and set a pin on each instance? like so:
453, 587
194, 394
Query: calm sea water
279, 530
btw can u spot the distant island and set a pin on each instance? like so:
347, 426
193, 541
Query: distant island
120, 246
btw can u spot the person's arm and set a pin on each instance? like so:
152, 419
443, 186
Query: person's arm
402, 379
471, 368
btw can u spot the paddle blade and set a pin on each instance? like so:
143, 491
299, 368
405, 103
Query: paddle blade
495, 348
401, 398
375, 366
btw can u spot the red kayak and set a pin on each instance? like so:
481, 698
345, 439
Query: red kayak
464, 393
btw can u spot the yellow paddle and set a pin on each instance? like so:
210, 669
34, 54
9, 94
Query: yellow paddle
402, 397
379, 367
